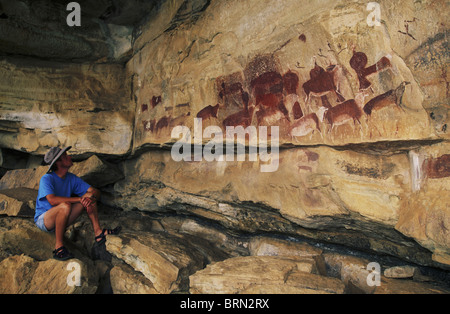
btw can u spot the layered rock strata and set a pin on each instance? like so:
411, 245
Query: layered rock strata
174, 255
359, 158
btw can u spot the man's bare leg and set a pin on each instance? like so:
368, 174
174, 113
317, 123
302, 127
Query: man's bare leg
92, 212
59, 217
99, 233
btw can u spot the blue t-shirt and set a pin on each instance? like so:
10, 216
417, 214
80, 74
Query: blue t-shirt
51, 183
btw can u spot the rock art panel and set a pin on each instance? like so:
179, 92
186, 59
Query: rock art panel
344, 86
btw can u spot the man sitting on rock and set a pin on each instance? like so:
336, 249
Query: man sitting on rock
62, 197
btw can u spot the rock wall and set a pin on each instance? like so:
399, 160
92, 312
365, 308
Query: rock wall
359, 94
361, 108
267, 63
47, 104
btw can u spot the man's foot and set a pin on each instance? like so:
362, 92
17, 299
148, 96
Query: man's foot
62, 254
102, 236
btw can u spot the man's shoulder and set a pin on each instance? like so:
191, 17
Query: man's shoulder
76, 180
46, 176
46, 181
71, 175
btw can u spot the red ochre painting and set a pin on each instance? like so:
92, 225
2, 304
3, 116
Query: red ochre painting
261, 95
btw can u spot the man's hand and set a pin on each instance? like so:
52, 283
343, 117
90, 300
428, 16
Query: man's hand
89, 199
88, 202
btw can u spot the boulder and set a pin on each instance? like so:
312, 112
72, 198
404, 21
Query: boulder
263, 274
96, 172
401, 272
23, 178
351, 270
18, 202
22, 274
265, 246
164, 260
402, 286
21, 236
125, 280
93, 170
16, 274
356, 273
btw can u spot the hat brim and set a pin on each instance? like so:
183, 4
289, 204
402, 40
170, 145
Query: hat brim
57, 156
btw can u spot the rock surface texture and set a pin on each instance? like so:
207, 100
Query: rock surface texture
344, 158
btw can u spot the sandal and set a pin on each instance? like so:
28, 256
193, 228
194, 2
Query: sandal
62, 254
102, 236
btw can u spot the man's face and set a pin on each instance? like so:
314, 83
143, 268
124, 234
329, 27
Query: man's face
65, 161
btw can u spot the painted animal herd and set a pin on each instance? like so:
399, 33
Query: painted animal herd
273, 100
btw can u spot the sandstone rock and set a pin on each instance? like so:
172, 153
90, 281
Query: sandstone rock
225, 243
263, 274
361, 106
260, 246
23, 178
176, 255
91, 113
162, 259
401, 272
18, 202
401, 286
201, 76
425, 213
124, 280
93, 170
96, 172
351, 270
21, 236
51, 277
331, 190
267, 80
16, 272
22, 274
95, 39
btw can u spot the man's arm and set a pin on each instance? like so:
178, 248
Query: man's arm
56, 200
91, 196
92, 193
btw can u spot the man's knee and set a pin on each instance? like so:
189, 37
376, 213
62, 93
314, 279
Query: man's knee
92, 208
65, 208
